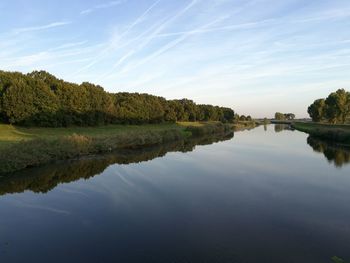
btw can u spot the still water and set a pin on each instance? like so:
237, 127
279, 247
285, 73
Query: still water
265, 195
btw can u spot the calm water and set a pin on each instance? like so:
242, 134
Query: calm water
265, 195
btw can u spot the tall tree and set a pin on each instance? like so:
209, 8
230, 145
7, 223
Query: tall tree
337, 106
317, 110
280, 116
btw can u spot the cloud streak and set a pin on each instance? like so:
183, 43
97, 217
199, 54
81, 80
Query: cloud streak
101, 6
112, 45
42, 27
227, 52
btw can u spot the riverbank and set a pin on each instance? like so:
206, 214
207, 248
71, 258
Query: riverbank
339, 134
27, 147
246, 125
46, 177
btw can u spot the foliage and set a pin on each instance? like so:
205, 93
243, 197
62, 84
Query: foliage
279, 116
336, 259
238, 118
284, 116
41, 99
289, 116
45, 178
336, 154
331, 132
317, 110
334, 109
50, 144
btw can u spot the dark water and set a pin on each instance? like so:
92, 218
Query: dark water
265, 195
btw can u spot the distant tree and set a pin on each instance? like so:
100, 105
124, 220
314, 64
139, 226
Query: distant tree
289, 116
280, 116
228, 115
236, 118
41, 99
242, 118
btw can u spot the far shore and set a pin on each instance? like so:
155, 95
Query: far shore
339, 134
22, 147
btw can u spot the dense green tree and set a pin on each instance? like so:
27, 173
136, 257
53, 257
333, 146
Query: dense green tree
338, 106
280, 116
334, 109
27, 101
228, 115
317, 110
39, 98
289, 116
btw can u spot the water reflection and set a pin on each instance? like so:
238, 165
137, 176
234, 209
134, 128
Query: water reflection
45, 178
261, 197
335, 154
283, 127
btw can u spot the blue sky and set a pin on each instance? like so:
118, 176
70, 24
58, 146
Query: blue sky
257, 56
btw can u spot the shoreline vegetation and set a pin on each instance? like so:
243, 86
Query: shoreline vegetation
45, 119
339, 134
39, 99
46, 177
21, 148
330, 118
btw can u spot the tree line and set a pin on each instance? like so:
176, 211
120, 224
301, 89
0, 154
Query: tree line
284, 116
333, 109
40, 99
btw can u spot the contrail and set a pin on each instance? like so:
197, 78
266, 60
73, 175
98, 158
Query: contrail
168, 46
151, 36
112, 45
37, 28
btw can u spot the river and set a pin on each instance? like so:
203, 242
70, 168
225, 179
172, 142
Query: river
269, 194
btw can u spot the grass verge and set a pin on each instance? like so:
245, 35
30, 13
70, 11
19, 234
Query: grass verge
336, 133
22, 147
245, 125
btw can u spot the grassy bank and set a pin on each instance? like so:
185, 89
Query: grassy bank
335, 133
245, 125
46, 177
27, 147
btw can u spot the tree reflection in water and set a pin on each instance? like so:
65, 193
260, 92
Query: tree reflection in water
335, 154
46, 178
283, 127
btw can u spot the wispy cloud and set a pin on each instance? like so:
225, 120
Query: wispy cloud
69, 45
228, 52
42, 27
151, 35
114, 41
329, 15
221, 28
101, 6
167, 47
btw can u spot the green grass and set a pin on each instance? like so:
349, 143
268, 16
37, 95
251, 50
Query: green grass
26, 147
314, 125
245, 125
336, 133
12, 134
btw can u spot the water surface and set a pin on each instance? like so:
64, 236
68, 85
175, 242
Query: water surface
264, 195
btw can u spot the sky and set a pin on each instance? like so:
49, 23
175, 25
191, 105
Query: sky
257, 57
